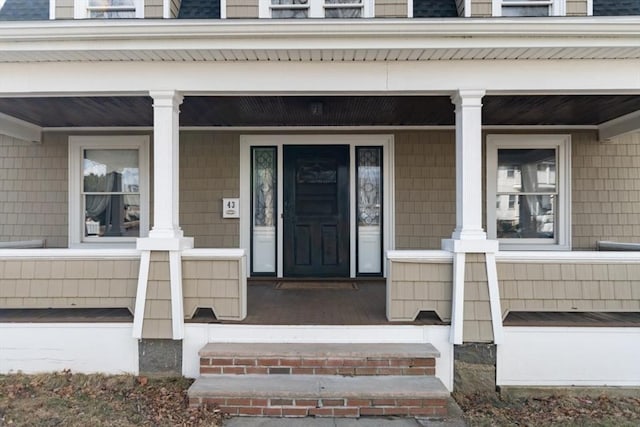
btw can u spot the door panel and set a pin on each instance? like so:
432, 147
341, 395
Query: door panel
316, 211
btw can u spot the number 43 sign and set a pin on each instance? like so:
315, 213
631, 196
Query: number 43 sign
230, 208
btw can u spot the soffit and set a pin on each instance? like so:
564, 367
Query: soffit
321, 40
291, 111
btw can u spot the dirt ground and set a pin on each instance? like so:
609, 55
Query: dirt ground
66, 399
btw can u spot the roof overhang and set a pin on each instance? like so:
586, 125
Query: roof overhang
321, 40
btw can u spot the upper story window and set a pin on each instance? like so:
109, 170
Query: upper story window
108, 188
528, 191
105, 9
282, 9
528, 7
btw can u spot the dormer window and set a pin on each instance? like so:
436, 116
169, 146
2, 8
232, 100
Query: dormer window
528, 7
284, 9
109, 9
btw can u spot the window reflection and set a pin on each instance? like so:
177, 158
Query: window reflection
526, 193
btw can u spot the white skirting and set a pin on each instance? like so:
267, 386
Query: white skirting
81, 347
563, 356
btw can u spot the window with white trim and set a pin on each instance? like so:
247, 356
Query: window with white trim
528, 191
109, 9
529, 7
284, 9
108, 188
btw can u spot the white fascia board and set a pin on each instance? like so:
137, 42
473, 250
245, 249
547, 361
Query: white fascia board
619, 126
316, 34
20, 129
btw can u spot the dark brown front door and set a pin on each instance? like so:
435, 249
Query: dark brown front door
316, 211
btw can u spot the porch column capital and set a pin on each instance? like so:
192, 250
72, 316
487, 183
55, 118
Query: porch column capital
166, 161
468, 104
468, 98
167, 98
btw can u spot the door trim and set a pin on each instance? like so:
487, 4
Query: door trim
386, 141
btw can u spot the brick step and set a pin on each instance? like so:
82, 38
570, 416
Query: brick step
318, 359
322, 395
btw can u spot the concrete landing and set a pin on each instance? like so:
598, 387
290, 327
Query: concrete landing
320, 386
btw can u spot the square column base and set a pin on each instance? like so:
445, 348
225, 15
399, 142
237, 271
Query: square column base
164, 244
470, 246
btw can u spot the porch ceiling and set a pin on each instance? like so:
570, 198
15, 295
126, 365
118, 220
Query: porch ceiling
273, 111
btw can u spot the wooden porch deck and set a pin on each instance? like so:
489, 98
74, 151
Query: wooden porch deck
317, 302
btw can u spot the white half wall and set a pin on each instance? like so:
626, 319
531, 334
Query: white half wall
31, 348
561, 356
197, 335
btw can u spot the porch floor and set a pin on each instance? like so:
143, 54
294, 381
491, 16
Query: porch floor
346, 302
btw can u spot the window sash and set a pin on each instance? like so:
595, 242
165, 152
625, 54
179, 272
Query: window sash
84, 9
78, 223
561, 194
555, 7
315, 8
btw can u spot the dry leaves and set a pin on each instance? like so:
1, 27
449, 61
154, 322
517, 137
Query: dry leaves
555, 410
66, 399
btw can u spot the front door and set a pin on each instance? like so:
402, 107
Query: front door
316, 210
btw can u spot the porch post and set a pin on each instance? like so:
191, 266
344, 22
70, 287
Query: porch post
468, 165
166, 160
469, 236
166, 239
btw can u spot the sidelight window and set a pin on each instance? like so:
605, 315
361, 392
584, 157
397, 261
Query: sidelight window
263, 206
369, 209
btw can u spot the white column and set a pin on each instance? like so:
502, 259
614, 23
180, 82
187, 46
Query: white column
468, 165
166, 161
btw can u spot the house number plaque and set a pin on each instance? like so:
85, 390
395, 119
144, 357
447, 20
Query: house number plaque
230, 208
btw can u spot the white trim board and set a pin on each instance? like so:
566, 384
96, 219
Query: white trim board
385, 141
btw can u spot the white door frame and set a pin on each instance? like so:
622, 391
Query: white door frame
388, 209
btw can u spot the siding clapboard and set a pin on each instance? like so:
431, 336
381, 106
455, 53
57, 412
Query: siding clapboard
242, 9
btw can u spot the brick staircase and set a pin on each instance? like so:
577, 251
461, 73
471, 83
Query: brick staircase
322, 380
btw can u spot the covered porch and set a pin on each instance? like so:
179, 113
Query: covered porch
438, 109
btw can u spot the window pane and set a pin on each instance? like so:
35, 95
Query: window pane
289, 13
111, 171
343, 12
99, 14
526, 217
526, 171
110, 3
299, 9
525, 10
115, 215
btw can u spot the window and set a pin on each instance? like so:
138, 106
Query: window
283, 9
101, 9
528, 7
528, 183
108, 188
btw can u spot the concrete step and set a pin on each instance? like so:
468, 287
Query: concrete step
322, 395
318, 359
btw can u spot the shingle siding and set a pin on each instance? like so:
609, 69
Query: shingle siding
25, 10
434, 9
616, 7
